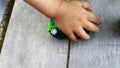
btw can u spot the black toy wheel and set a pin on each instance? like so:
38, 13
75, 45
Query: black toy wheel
58, 34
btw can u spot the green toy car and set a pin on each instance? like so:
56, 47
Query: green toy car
55, 31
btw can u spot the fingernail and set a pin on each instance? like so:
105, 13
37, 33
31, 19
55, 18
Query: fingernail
91, 8
97, 30
99, 21
75, 40
87, 37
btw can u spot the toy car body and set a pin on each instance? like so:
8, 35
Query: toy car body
55, 31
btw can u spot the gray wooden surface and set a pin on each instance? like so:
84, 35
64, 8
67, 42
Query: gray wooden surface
28, 44
103, 50
2, 8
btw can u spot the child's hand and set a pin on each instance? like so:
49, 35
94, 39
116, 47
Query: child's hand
75, 16
71, 17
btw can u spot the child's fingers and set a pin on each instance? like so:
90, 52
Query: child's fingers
80, 32
90, 26
87, 6
72, 37
93, 18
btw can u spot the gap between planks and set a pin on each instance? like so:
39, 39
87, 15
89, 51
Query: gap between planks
68, 54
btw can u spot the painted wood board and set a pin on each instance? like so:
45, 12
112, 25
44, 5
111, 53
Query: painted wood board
103, 49
28, 44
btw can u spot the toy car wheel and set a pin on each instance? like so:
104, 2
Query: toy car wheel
58, 34
54, 31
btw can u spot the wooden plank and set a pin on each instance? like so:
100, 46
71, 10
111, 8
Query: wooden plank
28, 44
2, 8
103, 50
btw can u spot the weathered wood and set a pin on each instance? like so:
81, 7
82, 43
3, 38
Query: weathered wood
103, 49
28, 44
2, 8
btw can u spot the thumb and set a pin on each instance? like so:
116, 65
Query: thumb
87, 6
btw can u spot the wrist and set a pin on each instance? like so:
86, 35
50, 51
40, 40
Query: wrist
62, 10
57, 9
47, 7
52, 8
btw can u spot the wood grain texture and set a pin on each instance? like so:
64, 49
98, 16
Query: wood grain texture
2, 8
28, 44
103, 49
